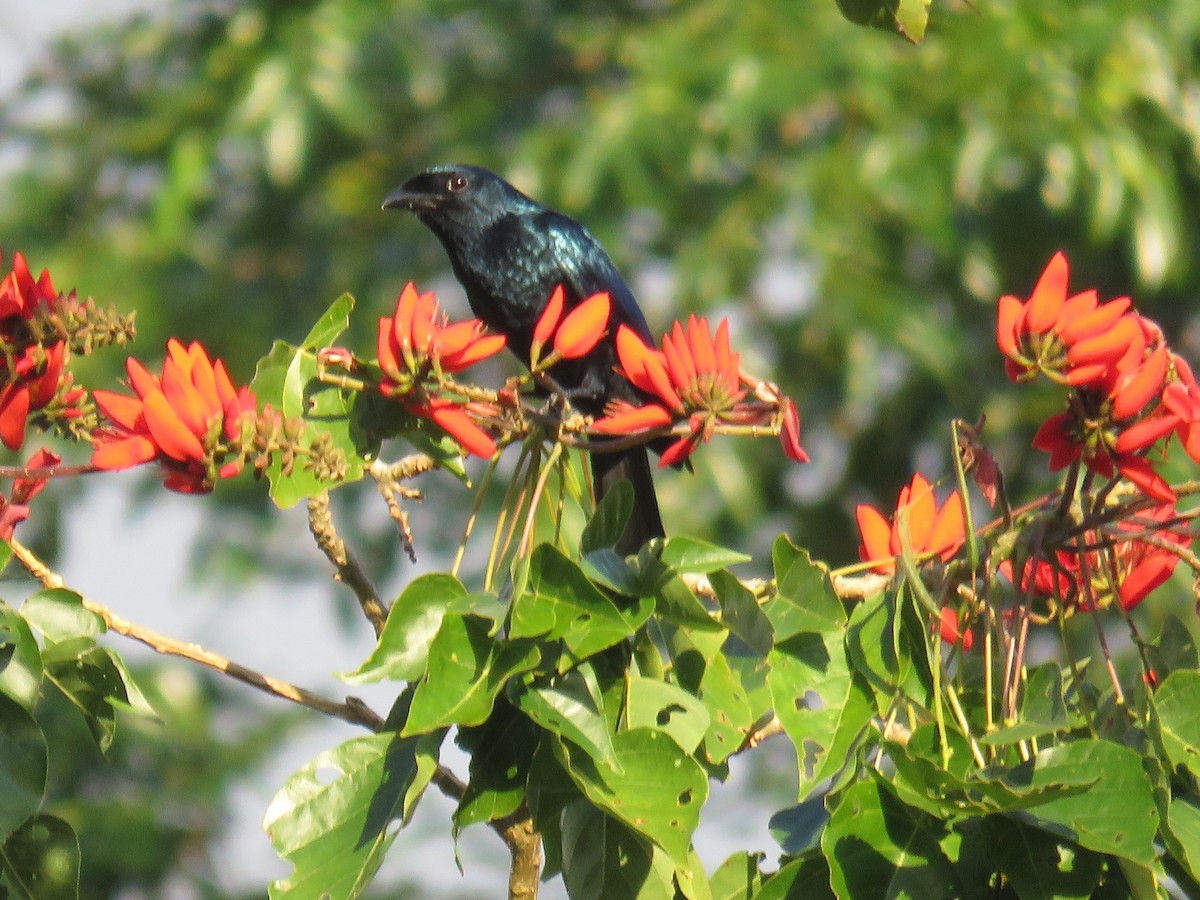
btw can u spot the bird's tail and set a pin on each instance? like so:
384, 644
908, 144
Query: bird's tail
634, 465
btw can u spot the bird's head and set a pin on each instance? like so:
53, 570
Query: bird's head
456, 198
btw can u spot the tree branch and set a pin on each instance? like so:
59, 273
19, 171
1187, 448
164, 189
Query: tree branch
352, 710
349, 572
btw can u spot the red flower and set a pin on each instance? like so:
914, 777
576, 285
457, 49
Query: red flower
20, 295
455, 421
931, 530
417, 341
694, 378
1124, 565
575, 335
181, 419
950, 632
789, 435
15, 509
1073, 340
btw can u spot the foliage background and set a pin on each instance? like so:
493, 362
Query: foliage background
853, 203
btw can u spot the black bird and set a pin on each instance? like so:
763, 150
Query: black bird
509, 253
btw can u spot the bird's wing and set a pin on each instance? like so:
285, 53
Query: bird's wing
586, 269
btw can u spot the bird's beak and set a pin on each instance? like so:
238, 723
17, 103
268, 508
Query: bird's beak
405, 197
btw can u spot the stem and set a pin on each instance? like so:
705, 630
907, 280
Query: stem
349, 572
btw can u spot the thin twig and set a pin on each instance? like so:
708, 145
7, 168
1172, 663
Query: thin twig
352, 710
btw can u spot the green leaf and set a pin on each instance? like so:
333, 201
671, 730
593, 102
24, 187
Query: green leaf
59, 615
1038, 865
878, 651
877, 847
675, 601
467, 669
333, 322
20, 659
607, 524
658, 791
602, 859
1113, 812
821, 705
332, 818
651, 703
1178, 703
806, 878
688, 555
87, 676
41, 860
23, 765
1183, 821
732, 717
741, 613
412, 623
501, 751
609, 569
737, 878
571, 706
1043, 709
804, 598
560, 603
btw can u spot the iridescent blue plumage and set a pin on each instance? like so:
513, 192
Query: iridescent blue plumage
509, 253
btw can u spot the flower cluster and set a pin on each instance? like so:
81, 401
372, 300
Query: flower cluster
1124, 564
191, 420
417, 347
695, 381
1127, 390
33, 356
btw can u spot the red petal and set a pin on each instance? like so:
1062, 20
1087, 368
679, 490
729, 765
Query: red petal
876, 538
949, 528
14, 410
1008, 315
140, 379
168, 431
122, 409
583, 327
1075, 326
548, 320
633, 419
1048, 297
124, 453
459, 426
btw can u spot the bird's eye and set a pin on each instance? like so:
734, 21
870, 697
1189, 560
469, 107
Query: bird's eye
456, 183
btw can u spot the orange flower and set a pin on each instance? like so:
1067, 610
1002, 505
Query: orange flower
931, 530
417, 341
454, 420
181, 419
1073, 340
20, 295
694, 378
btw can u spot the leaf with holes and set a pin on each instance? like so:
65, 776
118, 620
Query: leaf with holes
658, 792
1037, 864
651, 703
821, 704
333, 818
467, 669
